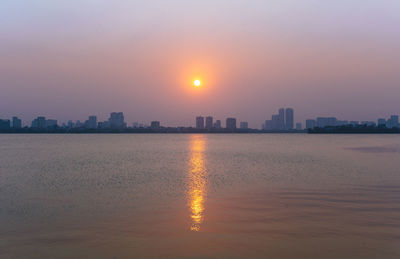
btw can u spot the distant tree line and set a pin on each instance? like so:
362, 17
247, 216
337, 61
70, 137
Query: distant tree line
350, 129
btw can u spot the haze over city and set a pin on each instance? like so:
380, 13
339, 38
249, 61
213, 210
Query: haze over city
70, 59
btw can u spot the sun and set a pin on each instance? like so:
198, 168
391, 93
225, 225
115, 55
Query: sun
197, 83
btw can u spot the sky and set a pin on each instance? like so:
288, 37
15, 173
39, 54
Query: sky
70, 59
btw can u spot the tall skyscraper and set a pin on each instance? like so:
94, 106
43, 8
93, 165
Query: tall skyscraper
231, 123
199, 122
289, 119
117, 120
209, 122
16, 123
281, 117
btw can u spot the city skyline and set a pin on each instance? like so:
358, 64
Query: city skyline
253, 123
68, 59
284, 120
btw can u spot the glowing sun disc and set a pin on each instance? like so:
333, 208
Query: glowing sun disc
197, 83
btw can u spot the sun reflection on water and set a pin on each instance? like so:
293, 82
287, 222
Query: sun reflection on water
197, 181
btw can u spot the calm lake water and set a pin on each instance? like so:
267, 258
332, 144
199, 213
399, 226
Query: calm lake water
196, 196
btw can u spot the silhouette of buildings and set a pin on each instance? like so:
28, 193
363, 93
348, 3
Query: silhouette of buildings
321, 122
5, 124
354, 123
326, 121
91, 123
217, 124
275, 122
394, 121
155, 124
116, 120
268, 125
289, 124
209, 122
231, 123
39, 122
42, 123
381, 122
103, 125
310, 124
199, 122
51, 123
282, 121
16, 123
70, 124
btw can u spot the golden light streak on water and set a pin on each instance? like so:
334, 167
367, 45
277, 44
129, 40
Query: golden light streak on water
197, 181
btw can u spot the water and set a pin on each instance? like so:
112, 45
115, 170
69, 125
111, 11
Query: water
196, 196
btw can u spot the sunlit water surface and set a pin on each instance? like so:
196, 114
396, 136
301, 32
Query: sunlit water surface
196, 196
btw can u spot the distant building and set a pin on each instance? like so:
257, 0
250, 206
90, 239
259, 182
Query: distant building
117, 120
244, 125
381, 122
91, 123
281, 119
217, 124
394, 119
326, 121
341, 122
209, 122
268, 125
354, 123
51, 123
310, 124
70, 124
275, 122
289, 119
231, 123
299, 126
39, 122
16, 123
5, 124
79, 124
199, 122
155, 124
103, 125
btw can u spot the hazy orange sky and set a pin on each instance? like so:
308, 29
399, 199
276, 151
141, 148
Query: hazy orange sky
70, 59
